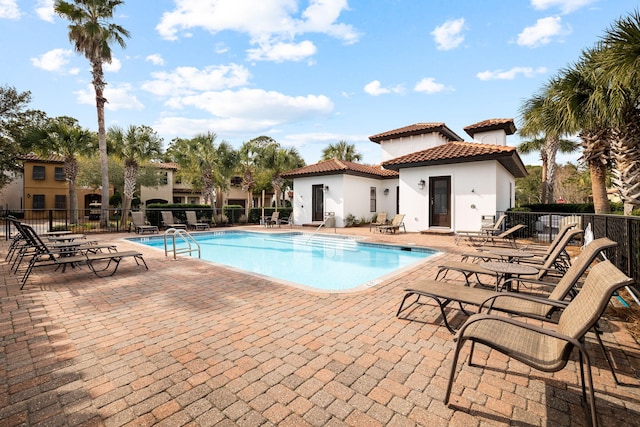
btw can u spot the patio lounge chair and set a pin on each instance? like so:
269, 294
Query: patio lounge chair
192, 221
555, 264
445, 293
170, 222
506, 238
381, 219
269, 221
393, 226
542, 348
43, 256
481, 235
540, 257
140, 226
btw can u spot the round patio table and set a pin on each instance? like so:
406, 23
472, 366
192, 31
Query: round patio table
509, 254
507, 270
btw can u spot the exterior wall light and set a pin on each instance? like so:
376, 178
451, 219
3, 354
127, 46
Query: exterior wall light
386, 191
326, 188
421, 184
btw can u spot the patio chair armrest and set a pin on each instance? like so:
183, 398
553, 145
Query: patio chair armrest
490, 301
484, 316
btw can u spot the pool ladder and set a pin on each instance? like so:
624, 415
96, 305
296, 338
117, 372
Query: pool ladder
186, 237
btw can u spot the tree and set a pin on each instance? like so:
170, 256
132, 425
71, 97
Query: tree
341, 151
14, 119
281, 160
92, 35
138, 145
203, 164
618, 59
528, 187
64, 137
548, 187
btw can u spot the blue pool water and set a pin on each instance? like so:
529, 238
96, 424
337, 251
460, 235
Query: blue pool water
319, 261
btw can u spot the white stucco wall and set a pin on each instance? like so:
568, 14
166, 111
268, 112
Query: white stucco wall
347, 194
494, 137
400, 146
476, 188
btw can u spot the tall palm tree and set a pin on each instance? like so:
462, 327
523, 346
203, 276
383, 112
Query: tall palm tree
581, 106
64, 137
618, 60
138, 145
284, 159
341, 151
92, 35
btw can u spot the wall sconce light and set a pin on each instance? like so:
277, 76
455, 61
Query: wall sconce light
421, 184
473, 190
326, 188
386, 191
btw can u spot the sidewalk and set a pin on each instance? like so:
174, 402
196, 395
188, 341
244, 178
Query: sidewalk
188, 343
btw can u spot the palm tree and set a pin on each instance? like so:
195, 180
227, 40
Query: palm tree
139, 144
64, 137
92, 35
580, 106
545, 149
618, 60
283, 159
341, 151
202, 164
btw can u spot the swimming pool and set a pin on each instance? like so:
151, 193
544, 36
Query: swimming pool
325, 262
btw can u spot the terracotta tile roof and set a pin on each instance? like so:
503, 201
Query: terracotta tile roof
460, 152
492, 124
51, 158
167, 165
417, 129
335, 166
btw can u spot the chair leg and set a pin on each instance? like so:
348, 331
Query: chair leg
598, 332
452, 373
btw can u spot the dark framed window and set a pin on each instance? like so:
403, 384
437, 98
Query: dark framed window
61, 201
60, 176
38, 201
38, 172
236, 181
165, 179
372, 199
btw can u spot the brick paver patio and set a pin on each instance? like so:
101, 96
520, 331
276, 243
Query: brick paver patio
188, 343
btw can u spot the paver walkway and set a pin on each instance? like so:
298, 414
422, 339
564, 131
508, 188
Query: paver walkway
187, 343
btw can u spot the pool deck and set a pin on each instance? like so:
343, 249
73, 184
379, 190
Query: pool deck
187, 343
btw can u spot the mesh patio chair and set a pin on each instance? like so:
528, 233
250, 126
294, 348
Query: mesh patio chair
542, 348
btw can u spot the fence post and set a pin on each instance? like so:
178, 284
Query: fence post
50, 220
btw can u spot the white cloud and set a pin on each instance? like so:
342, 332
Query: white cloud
45, 10
257, 104
281, 52
113, 67
155, 59
543, 32
565, 6
54, 60
449, 35
510, 74
119, 97
188, 80
428, 85
375, 88
9, 9
271, 24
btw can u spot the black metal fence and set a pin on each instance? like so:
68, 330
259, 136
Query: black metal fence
542, 226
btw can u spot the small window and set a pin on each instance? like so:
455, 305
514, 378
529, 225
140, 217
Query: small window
164, 180
38, 172
178, 199
236, 181
372, 199
60, 176
61, 201
38, 201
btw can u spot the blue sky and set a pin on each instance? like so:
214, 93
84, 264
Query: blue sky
306, 73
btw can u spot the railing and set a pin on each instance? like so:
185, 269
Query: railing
186, 237
329, 216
